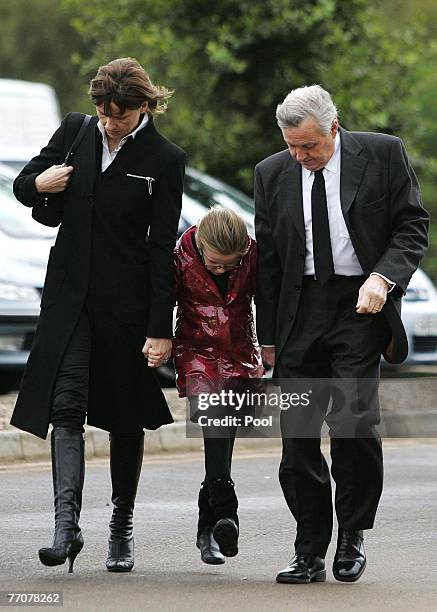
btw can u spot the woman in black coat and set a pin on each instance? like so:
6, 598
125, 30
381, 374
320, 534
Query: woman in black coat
106, 308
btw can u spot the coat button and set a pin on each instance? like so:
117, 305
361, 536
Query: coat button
291, 316
297, 287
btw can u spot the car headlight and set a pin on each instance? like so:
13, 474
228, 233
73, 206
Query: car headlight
426, 325
16, 293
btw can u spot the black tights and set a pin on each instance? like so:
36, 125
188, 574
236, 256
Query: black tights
218, 444
218, 451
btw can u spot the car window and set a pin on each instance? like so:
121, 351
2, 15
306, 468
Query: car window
16, 220
208, 191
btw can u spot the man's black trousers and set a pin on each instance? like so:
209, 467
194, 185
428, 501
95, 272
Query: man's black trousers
330, 340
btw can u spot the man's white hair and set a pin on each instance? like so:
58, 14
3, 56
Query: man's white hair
309, 101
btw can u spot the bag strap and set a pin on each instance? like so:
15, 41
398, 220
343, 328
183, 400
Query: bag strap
78, 139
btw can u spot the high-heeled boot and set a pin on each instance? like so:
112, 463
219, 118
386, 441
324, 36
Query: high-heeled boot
225, 505
68, 469
126, 458
209, 550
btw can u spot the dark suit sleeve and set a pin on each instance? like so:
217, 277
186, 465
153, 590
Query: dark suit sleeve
409, 221
162, 238
47, 207
269, 270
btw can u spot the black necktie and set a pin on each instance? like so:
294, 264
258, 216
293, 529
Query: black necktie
323, 262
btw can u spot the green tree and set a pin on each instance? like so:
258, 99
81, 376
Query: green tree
38, 43
231, 62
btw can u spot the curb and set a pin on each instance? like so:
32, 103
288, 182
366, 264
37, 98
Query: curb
408, 410
20, 446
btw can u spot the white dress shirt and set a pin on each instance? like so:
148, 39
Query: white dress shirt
108, 156
343, 253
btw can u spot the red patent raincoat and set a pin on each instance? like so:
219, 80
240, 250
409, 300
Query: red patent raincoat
215, 337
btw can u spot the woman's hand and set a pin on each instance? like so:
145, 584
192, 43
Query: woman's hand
54, 179
157, 351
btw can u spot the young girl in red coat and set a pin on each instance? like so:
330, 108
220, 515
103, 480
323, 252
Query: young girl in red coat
215, 341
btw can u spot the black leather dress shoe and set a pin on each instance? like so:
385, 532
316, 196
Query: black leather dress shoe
209, 549
302, 569
350, 557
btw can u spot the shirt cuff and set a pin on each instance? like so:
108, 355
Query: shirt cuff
268, 345
391, 284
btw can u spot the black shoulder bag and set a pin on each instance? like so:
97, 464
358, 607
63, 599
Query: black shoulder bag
49, 211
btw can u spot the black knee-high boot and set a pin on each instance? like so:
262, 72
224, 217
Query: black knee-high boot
126, 458
209, 550
68, 468
206, 511
225, 505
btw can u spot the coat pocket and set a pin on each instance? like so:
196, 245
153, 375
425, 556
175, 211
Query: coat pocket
148, 181
55, 276
374, 204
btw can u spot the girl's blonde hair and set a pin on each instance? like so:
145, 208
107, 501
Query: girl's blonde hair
223, 231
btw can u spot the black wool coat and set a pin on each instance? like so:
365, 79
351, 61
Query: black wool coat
114, 256
383, 212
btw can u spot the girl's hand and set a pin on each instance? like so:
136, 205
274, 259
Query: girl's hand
157, 351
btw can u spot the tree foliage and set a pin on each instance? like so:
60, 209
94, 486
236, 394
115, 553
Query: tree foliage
231, 62
38, 43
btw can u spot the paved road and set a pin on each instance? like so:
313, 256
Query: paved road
402, 549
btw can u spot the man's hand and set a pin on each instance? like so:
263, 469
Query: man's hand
157, 351
268, 355
372, 295
54, 179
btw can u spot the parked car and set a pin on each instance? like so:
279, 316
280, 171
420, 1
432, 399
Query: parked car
207, 191
25, 245
20, 138
419, 316
24, 251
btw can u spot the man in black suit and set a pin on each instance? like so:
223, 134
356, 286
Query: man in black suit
341, 229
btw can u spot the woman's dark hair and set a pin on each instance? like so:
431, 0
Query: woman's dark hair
125, 82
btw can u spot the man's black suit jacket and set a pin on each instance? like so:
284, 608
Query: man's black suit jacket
387, 224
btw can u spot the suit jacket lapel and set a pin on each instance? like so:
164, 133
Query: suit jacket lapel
290, 193
352, 169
